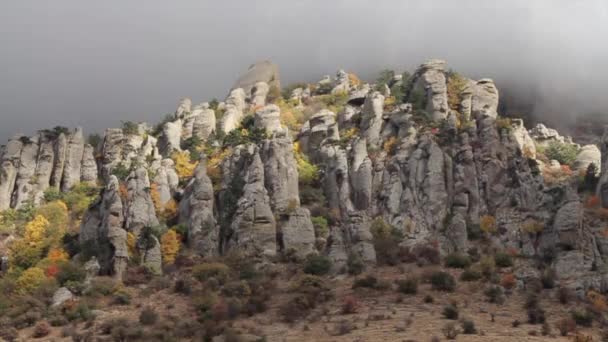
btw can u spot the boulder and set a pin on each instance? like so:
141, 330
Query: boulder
587, 155
61, 296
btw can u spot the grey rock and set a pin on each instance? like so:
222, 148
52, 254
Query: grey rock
484, 102
268, 118
61, 296
196, 211
170, 139
8, 170
342, 84
587, 155
27, 167
166, 180
44, 166
280, 173
430, 79
298, 233
522, 138
60, 149
151, 256
73, 160
184, 107
140, 210
371, 123
89, 165
204, 123
259, 93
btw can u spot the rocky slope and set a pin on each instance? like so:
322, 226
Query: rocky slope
427, 154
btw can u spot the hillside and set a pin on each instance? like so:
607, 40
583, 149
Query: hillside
334, 211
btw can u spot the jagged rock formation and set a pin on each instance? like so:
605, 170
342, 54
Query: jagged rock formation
430, 80
139, 208
29, 166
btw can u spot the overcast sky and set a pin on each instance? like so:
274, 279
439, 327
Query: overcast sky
95, 63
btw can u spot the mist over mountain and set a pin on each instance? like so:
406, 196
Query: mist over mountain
72, 63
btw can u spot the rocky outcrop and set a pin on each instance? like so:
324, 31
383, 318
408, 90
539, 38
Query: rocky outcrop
484, 102
73, 160
258, 94
525, 143
235, 105
297, 233
361, 177
371, 123
170, 139
269, 119
9, 169
430, 80
111, 151
342, 84
27, 167
263, 71
151, 256
184, 107
587, 155
204, 121
544, 135
321, 128
60, 149
196, 212
88, 167
140, 210
44, 166
602, 188
166, 181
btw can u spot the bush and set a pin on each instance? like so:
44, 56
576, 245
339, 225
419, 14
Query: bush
148, 316
355, 264
428, 299
536, 315
564, 295
487, 224
457, 260
317, 264
468, 327
508, 281
42, 329
564, 153
450, 311
350, 305
407, 286
470, 274
503, 260
215, 270
494, 294
30, 280
548, 279
183, 286
442, 281
566, 326
70, 271
368, 281
122, 297
321, 226
449, 331
582, 317
130, 128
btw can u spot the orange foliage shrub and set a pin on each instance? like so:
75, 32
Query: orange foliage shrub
598, 302
52, 271
131, 243
57, 255
487, 224
170, 210
508, 281
592, 202
123, 191
170, 244
354, 80
155, 194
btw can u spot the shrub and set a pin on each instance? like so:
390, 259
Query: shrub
321, 226
9, 334
215, 270
566, 326
470, 274
317, 264
564, 295
183, 285
487, 224
355, 264
564, 153
487, 266
368, 281
122, 297
148, 316
449, 331
457, 260
508, 281
170, 244
103, 286
390, 145
70, 271
30, 280
183, 165
503, 260
407, 286
42, 329
494, 294
536, 315
450, 311
582, 317
548, 279
130, 128
428, 299
350, 305
443, 281
468, 327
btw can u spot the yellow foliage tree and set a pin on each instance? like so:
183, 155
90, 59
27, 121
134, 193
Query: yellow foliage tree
487, 224
155, 194
35, 230
390, 145
170, 210
170, 244
30, 280
307, 172
57, 215
183, 166
131, 243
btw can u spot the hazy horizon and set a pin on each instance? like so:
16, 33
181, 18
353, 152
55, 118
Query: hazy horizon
74, 63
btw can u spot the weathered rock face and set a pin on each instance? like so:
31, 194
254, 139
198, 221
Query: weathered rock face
235, 105
484, 101
44, 167
602, 188
196, 211
522, 138
102, 226
166, 181
151, 256
170, 140
264, 71
27, 167
342, 84
253, 227
321, 127
89, 165
280, 173
588, 154
297, 233
111, 151
60, 148
73, 160
8, 171
371, 123
361, 177
544, 135
268, 118
140, 210
431, 81
185, 106
259, 93
204, 121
